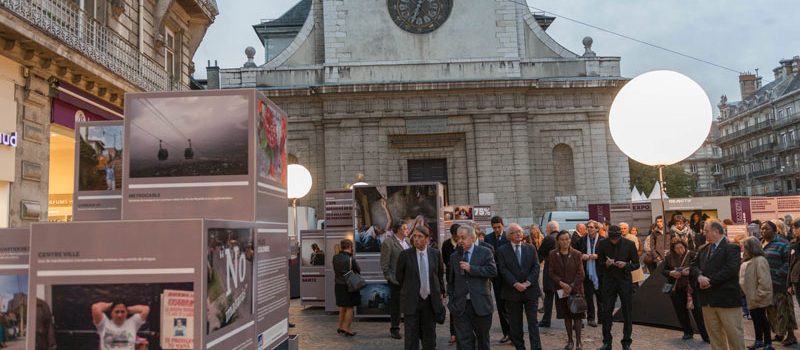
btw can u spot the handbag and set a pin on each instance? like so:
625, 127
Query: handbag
669, 287
354, 280
577, 304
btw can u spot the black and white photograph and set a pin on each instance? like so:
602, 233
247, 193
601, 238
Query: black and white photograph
374, 299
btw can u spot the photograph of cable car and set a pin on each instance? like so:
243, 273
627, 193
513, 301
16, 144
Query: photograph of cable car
188, 136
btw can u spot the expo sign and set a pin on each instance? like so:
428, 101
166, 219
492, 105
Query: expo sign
9, 139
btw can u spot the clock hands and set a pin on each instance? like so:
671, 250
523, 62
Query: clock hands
416, 11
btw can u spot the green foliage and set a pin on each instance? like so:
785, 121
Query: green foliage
679, 183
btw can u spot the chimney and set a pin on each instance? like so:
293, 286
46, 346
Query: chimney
786, 65
748, 83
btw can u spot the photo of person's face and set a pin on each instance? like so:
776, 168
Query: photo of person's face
119, 314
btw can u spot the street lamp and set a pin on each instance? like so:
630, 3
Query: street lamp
299, 185
660, 118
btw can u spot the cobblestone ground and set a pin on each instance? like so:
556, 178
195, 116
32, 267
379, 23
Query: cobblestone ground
317, 330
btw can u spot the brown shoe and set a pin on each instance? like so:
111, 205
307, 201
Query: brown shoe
505, 339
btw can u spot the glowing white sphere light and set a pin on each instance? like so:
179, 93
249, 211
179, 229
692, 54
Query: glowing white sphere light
299, 181
660, 118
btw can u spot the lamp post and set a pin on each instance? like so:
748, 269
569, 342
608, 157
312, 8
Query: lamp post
660, 118
299, 185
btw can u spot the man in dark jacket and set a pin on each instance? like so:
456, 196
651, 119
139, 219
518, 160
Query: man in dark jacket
716, 270
420, 272
468, 288
548, 244
617, 257
591, 265
497, 238
448, 247
519, 267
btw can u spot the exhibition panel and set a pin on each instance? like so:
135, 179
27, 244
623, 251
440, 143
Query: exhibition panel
14, 251
98, 171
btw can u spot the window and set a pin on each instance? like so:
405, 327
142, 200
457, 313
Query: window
563, 163
428, 170
780, 114
171, 61
693, 168
93, 8
788, 111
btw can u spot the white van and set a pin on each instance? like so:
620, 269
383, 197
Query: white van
567, 220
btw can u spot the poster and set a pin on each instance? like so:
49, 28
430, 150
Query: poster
99, 157
466, 214
270, 132
379, 208
375, 299
230, 278
312, 252
177, 319
14, 285
272, 287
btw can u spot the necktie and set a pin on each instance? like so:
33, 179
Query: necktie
466, 256
713, 249
424, 288
519, 254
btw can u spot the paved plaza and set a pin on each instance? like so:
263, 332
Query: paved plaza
317, 330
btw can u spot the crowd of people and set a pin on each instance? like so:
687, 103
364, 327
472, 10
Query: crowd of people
715, 279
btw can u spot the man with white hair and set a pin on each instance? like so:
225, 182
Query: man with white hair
518, 266
548, 244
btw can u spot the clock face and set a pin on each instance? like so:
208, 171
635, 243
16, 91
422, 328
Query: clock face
419, 16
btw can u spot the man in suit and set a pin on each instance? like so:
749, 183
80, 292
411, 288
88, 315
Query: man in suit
591, 284
716, 270
617, 257
448, 247
548, 244
580, 233
420, 272
482, 241
497, 238
468, 289
518, 265
391, 248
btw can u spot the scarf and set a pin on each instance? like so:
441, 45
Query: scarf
591, 268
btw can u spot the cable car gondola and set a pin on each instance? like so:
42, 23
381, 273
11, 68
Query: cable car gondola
188, 153
163, 154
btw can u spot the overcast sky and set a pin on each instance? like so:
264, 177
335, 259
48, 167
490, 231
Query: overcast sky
742, 35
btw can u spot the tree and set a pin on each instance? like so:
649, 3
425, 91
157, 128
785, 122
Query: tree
679, 183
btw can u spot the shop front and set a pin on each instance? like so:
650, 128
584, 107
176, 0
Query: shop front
70, 105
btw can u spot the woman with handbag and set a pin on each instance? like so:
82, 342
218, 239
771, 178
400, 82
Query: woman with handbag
343, 266
566, 271
680, 288
756, 282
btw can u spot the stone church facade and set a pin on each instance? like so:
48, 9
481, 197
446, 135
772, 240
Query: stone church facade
476, 95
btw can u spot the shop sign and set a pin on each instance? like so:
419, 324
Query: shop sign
9, 139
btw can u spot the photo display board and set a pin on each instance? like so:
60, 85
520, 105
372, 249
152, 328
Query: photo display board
99, 161
466, 214
166, 284
14, 252
218, 154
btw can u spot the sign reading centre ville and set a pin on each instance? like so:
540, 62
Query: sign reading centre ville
218, 154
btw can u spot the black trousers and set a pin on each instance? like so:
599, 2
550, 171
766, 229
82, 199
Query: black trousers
420, 327
514, 309
549, 301
394, 307
472, 331
679, 300
761, 325
611, 289
497, 286
593, 298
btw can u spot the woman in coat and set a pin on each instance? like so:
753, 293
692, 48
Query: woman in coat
345, 300
677, 265
756, 283
566, 272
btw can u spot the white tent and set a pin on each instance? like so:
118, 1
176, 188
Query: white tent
635, 194
656, 192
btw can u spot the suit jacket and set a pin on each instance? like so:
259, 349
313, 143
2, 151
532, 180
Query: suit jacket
548, 244
625, 251
490, 247
512, 272
390, 252
476, 282
496, 242
722, 268
408, 276
571, 273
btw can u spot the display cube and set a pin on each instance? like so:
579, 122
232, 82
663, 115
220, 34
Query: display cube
159, 284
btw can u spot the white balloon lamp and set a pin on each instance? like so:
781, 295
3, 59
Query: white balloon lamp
660, 118
298, 187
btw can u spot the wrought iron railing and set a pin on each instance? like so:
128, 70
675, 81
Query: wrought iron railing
65, 21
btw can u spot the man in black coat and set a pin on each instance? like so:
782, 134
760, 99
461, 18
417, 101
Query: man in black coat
617, 257
468, 288
548, 244
587, 245
716, 269
519, 266
448, 247
497, 238
420, 272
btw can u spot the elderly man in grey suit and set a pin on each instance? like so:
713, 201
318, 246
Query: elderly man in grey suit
518, 264
469, 290
390, 250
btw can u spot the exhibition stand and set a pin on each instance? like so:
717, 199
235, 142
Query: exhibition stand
338, 226
312, 269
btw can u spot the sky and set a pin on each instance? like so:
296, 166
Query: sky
741, 35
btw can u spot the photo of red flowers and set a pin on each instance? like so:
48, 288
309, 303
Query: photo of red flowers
271, 130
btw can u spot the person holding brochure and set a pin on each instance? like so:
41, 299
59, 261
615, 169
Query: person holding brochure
566, 271
119, 331
617, 257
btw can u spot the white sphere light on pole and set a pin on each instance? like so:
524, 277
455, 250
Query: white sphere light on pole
660, 118
299, 181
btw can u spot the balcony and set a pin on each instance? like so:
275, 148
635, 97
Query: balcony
788, 170
793, 144
746, 131
731, 179
761, 149
790, 119
66, 22
731, 158
763, 173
